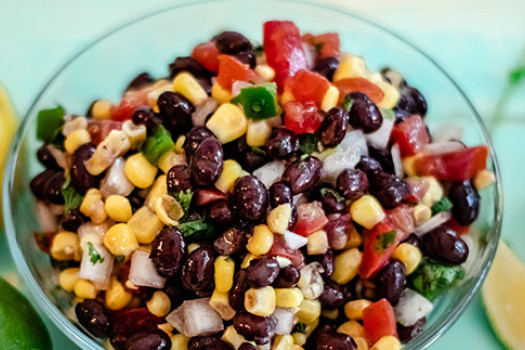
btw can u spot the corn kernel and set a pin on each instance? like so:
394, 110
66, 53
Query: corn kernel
409, 165
68, 278
189, 87
224, 270
85, 289
434, 193
120, 240
390, 97
353, 238
265, 71
159, 304
113, 146
352, 328
388, 342
367, 211
166, 328
139, 171
260, 301
288, 297
331, 314
220, 302
159, 88
309, 311
179, 342
282, 342
351, 66
179, 144
76, 139
330, 99
317, 243
279, 218
193, 246
158, 189
361, 343
286, 96
354, 309
484, 179
168, 210
118, 208
136, 133
101, 110
409, 255
299, 338
231, 336
169, 159
346, 265
230, 173
422, 213
261, 241
310, 327
145, 225
228, 123
246, 261
221, 95
257, 133
117, 297
65, 247
93, 206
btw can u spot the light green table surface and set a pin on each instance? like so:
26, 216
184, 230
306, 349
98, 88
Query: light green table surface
477, 41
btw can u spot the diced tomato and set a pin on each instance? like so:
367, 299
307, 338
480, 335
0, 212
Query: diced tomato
411, 135
326, 45
359, 84
208, 55
99, 129
205, 197
453, 166
301, 117
280, 248
417, 188
379, 246
459, 229
402, 219
131, 100
379, 321
283, 49
231, 70
129, 321
310, 218
308, 86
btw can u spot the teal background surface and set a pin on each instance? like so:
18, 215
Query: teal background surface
477, 42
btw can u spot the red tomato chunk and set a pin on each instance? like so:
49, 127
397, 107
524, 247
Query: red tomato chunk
411, 135
379, 321
208, 55
362, 85
327, 44
231, 70
301, 118
378, 248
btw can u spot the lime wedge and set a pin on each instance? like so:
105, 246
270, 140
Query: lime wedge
20, 325
7, 129
504, 298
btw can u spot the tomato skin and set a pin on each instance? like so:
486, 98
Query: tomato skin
374, 257
301, 118
208, 55
379, 321
280, 248
328, 43
359, 84
308, 86
310, 218
231, 70
411, 135
284, 51
131, 100
453, 166
456, 227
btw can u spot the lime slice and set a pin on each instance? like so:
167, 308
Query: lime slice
504, 298
20, 325
7, 129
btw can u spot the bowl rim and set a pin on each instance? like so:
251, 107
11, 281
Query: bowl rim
44, 304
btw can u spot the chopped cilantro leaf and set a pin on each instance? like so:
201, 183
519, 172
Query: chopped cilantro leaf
72, 199
347, 103
308, 143
385, 240
300, 327
258, 150
197, 230
444, 204
431, 278
94, 256
329, 191
184, 198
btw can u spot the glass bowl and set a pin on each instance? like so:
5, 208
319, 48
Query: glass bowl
150, 43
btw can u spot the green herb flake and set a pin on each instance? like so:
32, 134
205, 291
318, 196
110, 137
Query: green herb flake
308, 143
431, 279
444, 204
329, 191
94, 256
300, 328
517, 75
347, 102
197, 230
72, 199
184, 198
385, 240
259, 150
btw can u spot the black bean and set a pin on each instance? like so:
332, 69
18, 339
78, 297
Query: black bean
53, 188
250, 159
262, 272
135, 199
178, 179
288, 277
80, 178
38, 183
364, 114
146, 116
303, 174
384, 157
175, 112
254, 327
336, 230
406, 334
176, 292
280, 193
326, 67
194, 138
465, 199
72, 220
197, 270
247, 57
352, 183
370, 166
332, 296
331, 200
232, 241
335, 341
414, 240
232, 42
327, 261
443, 245
239, 288
153, 339
400, 115
46, 158
168, 250
191, 65
206, 164
389, 190
412, 101
349, 292
333, 128
390, 281
208, 343
140, 81
247, 346
282, 144
251, 198
93, 316
220, 213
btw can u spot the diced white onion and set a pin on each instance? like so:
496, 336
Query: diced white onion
447, 132
311, 282
396, 159
72, 123
143, 272
379, 138
444, 147
238, 85
434, 222
176, 318
115, 181
90, 228
294, 241
196, 318
270, 172
99, 271
284, 318
203, 110
411, 307
309, 53
48, 221
283, 262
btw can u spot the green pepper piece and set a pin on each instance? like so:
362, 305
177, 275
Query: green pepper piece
259, 102
431, 278
49, 123
158, 144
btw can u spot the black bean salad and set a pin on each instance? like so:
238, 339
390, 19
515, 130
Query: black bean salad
280, 196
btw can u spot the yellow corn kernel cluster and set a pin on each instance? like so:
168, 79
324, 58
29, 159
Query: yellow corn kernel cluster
422, 213
350, 67
331, 314
352, 328
367, 211
388, 342
317, 243
246, 261
179, 342
231, 336
168, 210
158, 189
85, 289
258, 132
189, 87
279, 218
159, 304
76, 139
139, 171
93, 206
330, 99
434, 193
220, 302
230, 173
288, 297
282, 342
228, 123
361, 343
354, 309
484, 179
265, 71
309, 311
120, 240
346, 265
117, 297
145, 225
224, 271
261, 241
118, 208
409, 255
260, 301
101, 110
65, 247
221, 95
68, 278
